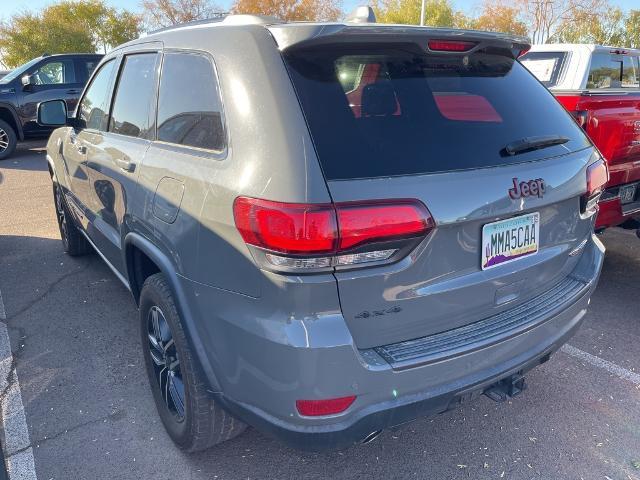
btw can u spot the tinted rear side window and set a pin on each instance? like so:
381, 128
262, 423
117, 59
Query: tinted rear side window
546, 66
376, 111
134, 95
189, 107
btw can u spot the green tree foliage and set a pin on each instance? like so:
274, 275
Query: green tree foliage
438, 13
605, 27
65, 27
496, 17
291, 10
632, 29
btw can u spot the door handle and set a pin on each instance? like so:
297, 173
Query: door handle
73, 91
82, 150
125, 164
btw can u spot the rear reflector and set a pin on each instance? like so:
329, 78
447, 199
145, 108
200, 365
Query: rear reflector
597, 177
316, 408
450, 45
317, 236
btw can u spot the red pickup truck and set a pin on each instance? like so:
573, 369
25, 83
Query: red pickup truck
600, 87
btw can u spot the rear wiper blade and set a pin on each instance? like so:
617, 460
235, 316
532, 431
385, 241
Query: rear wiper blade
533, 143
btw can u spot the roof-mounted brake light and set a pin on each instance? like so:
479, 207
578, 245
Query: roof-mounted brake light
450, 45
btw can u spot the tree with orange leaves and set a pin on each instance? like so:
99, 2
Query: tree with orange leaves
291, 10
498, 17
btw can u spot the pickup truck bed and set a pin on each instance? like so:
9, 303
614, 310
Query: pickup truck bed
612, 121
600, 86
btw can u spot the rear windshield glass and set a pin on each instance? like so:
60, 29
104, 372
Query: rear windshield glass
379, 111
546, 66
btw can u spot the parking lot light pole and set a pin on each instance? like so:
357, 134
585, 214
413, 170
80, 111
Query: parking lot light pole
422, 14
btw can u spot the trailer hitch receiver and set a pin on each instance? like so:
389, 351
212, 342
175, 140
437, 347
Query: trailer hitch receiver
506, 388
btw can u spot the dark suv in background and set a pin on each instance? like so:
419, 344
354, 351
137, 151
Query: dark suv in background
49, 77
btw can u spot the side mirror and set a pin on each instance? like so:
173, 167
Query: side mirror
28, 81
52, 113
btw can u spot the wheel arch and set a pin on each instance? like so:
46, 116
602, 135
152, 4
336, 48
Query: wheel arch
138, 251
8, 114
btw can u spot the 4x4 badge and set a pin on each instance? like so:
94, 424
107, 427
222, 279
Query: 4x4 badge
527, 188
378, 313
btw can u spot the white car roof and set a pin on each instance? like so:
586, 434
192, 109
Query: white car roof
584, 47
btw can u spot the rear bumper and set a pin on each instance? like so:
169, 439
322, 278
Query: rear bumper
270, 372
357, 426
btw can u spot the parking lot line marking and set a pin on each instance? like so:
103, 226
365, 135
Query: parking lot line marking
17, 448
596, 361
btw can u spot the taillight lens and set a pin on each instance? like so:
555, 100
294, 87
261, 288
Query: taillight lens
597, 178
581, 117
316, 408
362, 223
286, 227
322, 236
450, 45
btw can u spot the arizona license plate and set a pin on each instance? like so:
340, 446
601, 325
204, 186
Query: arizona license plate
508, 240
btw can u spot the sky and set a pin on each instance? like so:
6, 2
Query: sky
9, 7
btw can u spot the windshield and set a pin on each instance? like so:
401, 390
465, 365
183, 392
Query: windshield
17, 72
381, 111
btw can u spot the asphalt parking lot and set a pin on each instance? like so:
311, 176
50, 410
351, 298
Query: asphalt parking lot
84, 400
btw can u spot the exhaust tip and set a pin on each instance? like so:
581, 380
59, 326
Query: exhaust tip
371, 437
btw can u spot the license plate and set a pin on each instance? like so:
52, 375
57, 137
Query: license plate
509, 240
627, 193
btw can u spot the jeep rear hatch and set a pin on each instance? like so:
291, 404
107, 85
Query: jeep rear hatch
453, 123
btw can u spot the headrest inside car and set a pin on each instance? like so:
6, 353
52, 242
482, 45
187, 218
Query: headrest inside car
378, 99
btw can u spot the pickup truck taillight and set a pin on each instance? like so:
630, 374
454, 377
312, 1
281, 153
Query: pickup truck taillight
597, 178
581, 117
311, 237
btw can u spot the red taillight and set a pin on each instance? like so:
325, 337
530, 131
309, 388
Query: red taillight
362, 223
523, 52
316, 408
286, 227
597, 177
450, 45
320, 236
581, 117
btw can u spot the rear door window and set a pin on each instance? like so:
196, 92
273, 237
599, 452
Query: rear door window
379, 111
134, 95
189, 106
546, 66
85, 67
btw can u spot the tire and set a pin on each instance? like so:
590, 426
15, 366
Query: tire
192, 418
8, 140
74, 243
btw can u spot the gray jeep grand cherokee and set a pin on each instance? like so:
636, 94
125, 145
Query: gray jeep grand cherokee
329, 228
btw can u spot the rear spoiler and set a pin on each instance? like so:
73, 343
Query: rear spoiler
311, 34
